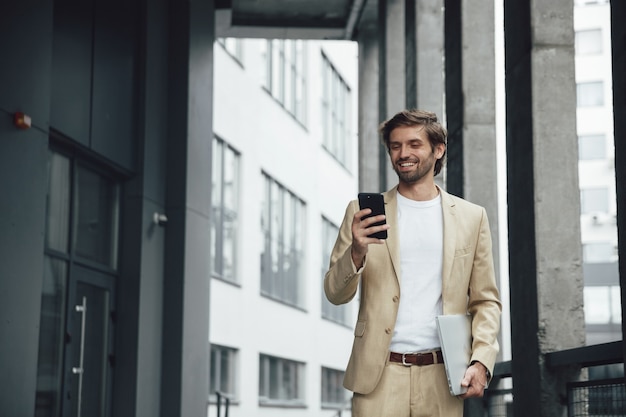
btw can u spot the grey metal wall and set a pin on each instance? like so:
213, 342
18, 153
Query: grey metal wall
25, 61
117, 80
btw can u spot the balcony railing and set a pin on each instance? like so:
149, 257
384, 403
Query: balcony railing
594, 397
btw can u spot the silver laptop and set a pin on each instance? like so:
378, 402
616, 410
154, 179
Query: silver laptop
455, 335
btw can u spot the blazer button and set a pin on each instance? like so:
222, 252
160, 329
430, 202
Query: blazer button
388, 330
395, 298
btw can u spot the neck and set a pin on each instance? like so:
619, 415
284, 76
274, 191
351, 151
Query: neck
419, 191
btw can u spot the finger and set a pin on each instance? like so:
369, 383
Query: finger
359, 215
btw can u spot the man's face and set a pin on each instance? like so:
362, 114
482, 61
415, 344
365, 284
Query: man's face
412, 156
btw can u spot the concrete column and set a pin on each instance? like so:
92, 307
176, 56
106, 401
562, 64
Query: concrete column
409, 73
424, 59
618, 45
545, 255
185, 363
471, 114
394, 60
370, 146
424, 55
471, 108
392, 50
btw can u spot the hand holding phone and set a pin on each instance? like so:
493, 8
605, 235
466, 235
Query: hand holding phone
376, 203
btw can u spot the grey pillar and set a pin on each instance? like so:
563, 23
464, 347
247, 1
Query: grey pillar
137, 387
26, 44
409, 73
471, 114
369, 141
392, 50
545, 253
618, 45
424, 59
424, 55
185, 363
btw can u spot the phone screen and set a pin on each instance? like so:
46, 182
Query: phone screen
375, 202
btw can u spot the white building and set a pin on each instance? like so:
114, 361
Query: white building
285, 152
597, 170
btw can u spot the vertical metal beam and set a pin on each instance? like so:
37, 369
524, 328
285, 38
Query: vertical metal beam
186, 302
545, 254
382, 88
618, 45
521, 213
454, 96
410, 52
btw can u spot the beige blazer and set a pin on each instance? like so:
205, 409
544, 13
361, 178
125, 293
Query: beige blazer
469, 286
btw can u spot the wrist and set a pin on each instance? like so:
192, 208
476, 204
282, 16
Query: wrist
482, 367
358, 260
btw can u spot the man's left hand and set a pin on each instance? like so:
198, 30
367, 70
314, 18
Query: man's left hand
475, 380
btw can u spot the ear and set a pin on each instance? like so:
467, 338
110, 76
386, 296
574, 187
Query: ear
439, 150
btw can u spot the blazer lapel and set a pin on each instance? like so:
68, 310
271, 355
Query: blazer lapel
449, 237
392, 242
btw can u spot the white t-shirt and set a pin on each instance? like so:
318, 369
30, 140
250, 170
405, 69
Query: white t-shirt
420, 228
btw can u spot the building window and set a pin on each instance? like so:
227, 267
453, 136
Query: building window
334, 395
335, 113
590, 94
225, 204
594, 200
284, 74
340, 313
591, 147
281, 381
599, 252
233, 46
602, 305
223, 372
282, 226
589, 42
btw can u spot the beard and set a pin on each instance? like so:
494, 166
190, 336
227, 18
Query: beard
422, 169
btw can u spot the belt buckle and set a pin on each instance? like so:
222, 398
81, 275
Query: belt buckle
404, 360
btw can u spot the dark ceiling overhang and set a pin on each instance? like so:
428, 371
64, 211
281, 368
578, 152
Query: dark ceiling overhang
292, 19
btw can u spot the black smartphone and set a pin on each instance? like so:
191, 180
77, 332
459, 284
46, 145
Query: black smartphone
375, 202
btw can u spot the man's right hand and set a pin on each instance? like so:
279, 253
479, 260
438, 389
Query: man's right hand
361, 229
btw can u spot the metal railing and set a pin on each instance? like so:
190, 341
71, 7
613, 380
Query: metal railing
221, 396
605, 397
596, 398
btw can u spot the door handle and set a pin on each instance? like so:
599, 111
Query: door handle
79, 370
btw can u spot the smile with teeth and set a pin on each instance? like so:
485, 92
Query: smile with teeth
407, 164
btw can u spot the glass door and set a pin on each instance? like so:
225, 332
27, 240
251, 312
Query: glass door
74, 371
89, 345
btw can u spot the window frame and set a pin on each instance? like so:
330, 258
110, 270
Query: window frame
216, 371
335, 114
285, 76
339, 314
285, 370
222, 151
333, 395
283, 229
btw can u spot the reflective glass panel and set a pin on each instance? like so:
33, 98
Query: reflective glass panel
96, 217
58, 202
51, 341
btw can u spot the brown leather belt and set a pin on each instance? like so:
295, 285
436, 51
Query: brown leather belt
419, 359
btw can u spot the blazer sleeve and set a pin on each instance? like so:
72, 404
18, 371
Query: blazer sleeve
342, 279
484, 302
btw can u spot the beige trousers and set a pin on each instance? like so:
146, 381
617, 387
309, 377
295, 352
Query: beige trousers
409, 391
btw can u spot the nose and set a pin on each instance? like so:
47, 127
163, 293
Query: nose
404, 151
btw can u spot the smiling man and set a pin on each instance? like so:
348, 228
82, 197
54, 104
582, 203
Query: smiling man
436, 260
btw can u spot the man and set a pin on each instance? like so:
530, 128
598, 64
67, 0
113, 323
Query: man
436, 260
